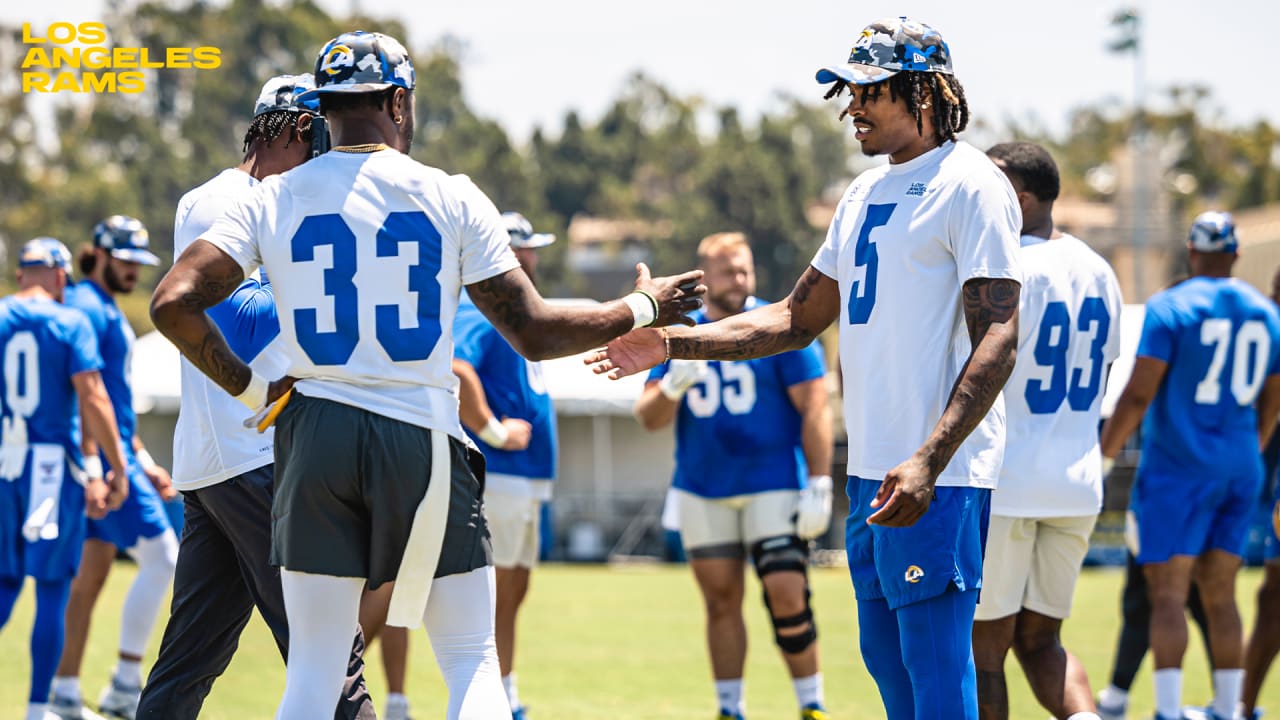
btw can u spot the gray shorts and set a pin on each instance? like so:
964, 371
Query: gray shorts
347, 484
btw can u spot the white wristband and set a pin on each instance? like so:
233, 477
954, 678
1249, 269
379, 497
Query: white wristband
93, 466
145, 460
644, 308
672, 393
494, 433
822, 482
255, 396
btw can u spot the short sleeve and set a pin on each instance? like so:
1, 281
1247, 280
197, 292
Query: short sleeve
985, 224
1115, 305
237, 230
1158, 331
803, 365
84, 344
827, 259
471, 333
248, 319
485, 244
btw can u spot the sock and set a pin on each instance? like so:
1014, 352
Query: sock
808, 690
513, 692
729, 694
1085, 716
36, 711
129, 672
1169, 692
47, 635
1113, 696
1227, 686
67, 687
397, 701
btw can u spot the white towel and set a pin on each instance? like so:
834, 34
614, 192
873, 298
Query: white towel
48, 468
426, 538
13, 447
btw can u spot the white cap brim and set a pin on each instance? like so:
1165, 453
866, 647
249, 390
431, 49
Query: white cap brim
535, 240
854, 73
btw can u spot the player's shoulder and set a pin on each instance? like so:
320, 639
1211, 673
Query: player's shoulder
968, 167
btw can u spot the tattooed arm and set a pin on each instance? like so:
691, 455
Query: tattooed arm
540, 331
991, 314
201, 278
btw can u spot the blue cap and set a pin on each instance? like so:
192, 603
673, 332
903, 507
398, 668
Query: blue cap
888, 47
45, 252
126, 238
361, 62
522, 234
282, 93
1214, 232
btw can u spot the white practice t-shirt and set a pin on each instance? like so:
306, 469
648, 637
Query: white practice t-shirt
367, 253
210, 442
904, 240
1069, 334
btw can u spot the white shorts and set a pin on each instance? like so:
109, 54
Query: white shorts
719, 525
1032, 563
513, 528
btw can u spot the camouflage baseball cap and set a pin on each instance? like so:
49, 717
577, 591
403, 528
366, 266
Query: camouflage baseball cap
361, 62
45, 252
888, 47
522, 234
1214, 232
282, 92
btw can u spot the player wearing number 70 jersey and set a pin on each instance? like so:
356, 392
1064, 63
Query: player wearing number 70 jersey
368, 251
1207, 378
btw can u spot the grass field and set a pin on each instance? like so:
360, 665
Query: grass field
626, 643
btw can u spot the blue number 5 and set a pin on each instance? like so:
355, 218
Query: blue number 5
401, 344
862, 294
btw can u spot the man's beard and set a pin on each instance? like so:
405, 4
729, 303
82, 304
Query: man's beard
114, 283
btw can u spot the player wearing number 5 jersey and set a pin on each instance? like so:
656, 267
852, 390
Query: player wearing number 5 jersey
1050, 487
1207, 379
753, 457
367, 251
920, 269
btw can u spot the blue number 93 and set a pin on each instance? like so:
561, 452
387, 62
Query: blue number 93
1051, 352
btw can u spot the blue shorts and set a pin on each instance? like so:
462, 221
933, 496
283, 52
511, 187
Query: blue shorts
54, 559
907, 565
141, 516
1191, 515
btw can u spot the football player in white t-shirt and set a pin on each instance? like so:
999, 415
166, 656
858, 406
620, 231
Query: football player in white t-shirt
367, 251
1051, 481
224, 469
920, 269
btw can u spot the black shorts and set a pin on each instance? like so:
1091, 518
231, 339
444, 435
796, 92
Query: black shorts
348, 482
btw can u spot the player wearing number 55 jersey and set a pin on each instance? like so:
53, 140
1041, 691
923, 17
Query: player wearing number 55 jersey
1051, 480
1207, 378
753, 457
920, 269
367, 251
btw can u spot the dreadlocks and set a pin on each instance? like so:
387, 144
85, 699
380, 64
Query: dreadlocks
269, 125
943, 94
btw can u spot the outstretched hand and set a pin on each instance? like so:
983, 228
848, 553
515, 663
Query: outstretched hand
904, 496
677, 295
634, 352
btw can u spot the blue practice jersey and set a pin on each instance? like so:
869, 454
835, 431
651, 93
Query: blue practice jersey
737, 431
1221, 340
115, 343
513, 387
42, 344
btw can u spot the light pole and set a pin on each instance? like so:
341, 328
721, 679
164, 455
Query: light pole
1128, 22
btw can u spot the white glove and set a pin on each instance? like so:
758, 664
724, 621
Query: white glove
681, 376
813, 509
1107, 465
13, 447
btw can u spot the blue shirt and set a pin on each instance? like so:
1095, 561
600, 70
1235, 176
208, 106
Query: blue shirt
1221, 340
115, 343
514, 388
43, 344
737, 431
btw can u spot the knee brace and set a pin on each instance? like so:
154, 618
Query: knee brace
786, 553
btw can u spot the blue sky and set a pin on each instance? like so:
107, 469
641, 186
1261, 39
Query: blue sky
527, 62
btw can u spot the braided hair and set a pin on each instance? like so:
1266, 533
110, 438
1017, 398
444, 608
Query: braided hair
270, 125
950, 109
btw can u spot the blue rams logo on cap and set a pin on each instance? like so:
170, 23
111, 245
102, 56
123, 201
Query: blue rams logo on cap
45, 252
1214, 232
125, 238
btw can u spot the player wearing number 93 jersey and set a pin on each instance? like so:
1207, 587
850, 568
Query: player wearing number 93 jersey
1207, 377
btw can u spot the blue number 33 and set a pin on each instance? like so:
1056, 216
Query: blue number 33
401, 344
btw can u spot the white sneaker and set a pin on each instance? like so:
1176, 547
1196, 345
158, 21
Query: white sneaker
1112, 712
120, 701
61, 708
396, 710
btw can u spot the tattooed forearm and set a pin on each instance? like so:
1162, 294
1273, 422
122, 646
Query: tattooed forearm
538, 330
991, 313
213, 357
202, 277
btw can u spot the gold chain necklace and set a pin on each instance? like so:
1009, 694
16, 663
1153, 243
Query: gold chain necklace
365, 148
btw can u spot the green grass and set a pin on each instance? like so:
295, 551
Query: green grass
626, 643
